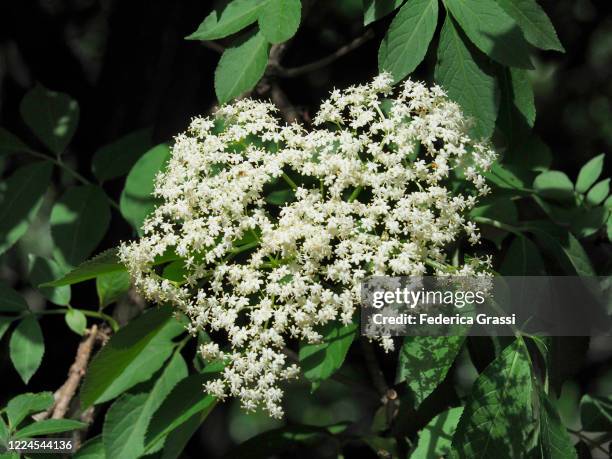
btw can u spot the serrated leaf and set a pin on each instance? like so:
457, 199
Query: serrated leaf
111, 287
112, 370
462, 73
76, 320
563, 246
127, 420
498, 419
554, 185
533, 21
52, 116
47, 427
20, 200
424, 362
117, 158
79, 220
10, 300
598, 193
20, 406
227, 19
103, 263
555, 442
596, 413
408, 37
492, 31
522, 259
184, 401
589, 173
373, 10
320, 361
136, 201
27, 347
279, 20
435, 438
241, 67
10, 144
517, 112
509, 176
43, 270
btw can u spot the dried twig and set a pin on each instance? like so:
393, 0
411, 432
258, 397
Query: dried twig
75, 374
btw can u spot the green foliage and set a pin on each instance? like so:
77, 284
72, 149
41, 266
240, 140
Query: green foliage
320, 361
117, 158
498, 417
44, 270
462, 72
48, 427
76, 320
20, 199
79, 220
596, 413
103, 263
373, 10
20, 406
554, 185
231, 18
10, 300
131, 356
408, 37
280, 19
435, 438
424, 362
241, 66
111, 287
136, 200
554, 439
589, 173
52, 117
27, 347
10, 144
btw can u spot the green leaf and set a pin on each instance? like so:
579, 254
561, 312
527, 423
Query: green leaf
27, 347
10, 300
586, 222
424, 362
554, 185
117, 158
492, 31
500, 209
112, 286
533, 21
408, 37
460, 71
103, 263
517, 110
176, 440
76, 320
377, 9
598, 193
497, 420
522, 259
279, 20
320, 361
20, 406
435, 438
4, 433
136, 202
20, 200
49, 426
184, 401
589, 173
555, 443
596, 413
280, 197
231, 18
79, 221
241, 67
130, 356
5, 323
52, 116
127, 420
10, 144
91, 449
44, 270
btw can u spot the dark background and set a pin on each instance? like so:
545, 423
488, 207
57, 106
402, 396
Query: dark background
128, 66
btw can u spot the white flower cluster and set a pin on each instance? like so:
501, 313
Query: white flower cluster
369, 195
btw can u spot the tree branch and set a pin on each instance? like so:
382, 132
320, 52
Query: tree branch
279, 70
75, 374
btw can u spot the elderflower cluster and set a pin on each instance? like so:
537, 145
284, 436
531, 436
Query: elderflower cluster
369, 194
